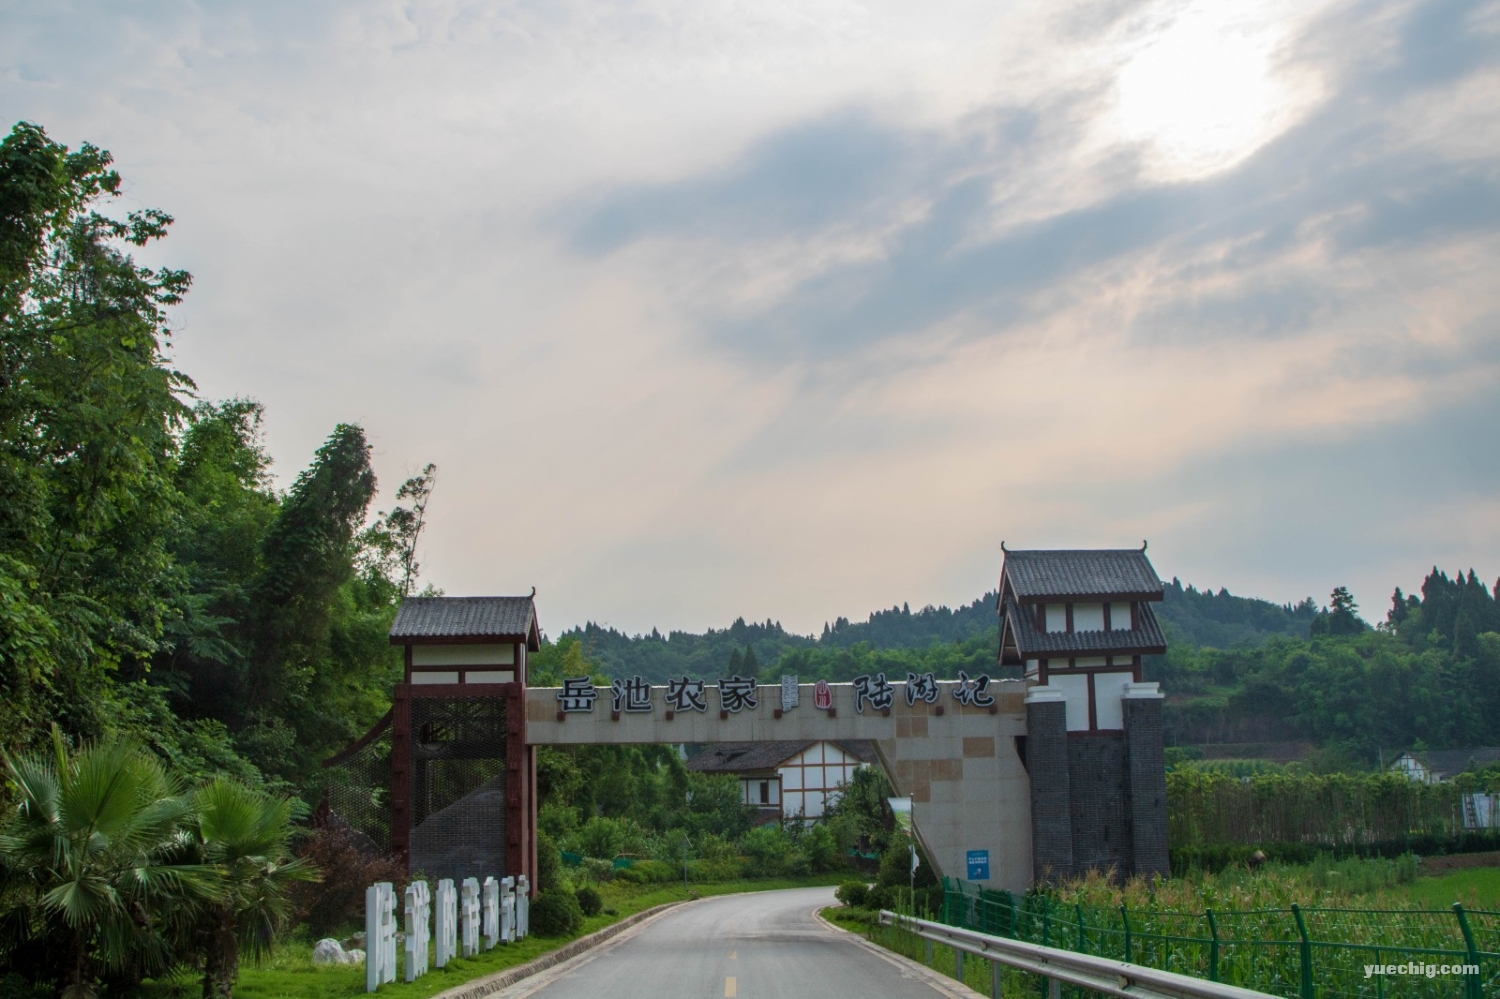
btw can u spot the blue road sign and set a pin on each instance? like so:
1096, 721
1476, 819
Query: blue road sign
979, 865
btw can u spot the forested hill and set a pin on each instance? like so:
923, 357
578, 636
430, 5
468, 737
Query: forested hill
1224, 621
1194, 617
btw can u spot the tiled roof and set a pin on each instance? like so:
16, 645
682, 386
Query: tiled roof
464, 617
743, 757
1446, 763
736, 757
1020, 622
1121, 573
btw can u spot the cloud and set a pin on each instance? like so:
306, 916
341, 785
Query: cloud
708, 310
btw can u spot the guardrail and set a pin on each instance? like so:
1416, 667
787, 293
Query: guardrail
1065, 967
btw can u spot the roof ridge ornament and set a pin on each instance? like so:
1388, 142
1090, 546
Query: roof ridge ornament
1143, 546
1002, 546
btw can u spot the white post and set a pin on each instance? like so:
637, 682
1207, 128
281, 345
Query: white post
418, 911
508, 910
380, 935
445, 923
470, 918
491, 904
523, 906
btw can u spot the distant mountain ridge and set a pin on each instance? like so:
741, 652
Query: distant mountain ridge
1191, 616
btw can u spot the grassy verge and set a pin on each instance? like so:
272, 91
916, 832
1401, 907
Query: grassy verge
1476, 888
858, 920
290, 973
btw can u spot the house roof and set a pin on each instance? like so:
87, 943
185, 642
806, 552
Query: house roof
446, 618
745, 757
1125, 574
1446, 763
1019, 626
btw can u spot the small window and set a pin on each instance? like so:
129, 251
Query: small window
765, 792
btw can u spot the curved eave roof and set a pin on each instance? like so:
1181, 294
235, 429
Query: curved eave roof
1105, 573
422, 620
1021, 629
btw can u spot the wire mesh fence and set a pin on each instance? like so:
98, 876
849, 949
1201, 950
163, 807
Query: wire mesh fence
1300, 953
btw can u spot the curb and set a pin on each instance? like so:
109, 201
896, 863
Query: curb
494, 982
940, 982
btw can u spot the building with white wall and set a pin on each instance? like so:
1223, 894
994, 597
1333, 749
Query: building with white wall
783, 780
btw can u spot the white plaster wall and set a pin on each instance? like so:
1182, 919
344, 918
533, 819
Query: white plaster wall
1109, 688
1057, 617
1075, 690
463, 655
1119, 616
1088, 617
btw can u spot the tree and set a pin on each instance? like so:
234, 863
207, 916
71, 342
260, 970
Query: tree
245, 836
1342, 617
88, 411
91, 867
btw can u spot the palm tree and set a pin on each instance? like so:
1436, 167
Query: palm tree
244, 834
91, 864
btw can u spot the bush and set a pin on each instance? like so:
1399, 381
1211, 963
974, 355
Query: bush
549, 876
855, 894
349, 867
589, 901
556, 915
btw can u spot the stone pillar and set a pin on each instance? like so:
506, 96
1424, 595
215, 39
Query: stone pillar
1148, 778
1051, 798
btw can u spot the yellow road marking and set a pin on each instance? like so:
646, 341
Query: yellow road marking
729, 987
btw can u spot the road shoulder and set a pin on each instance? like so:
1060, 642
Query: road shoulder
938, 981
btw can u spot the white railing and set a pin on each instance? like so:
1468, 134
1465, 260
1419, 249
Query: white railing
445, 924
1100, 974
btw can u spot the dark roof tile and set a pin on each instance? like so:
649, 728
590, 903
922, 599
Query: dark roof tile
744, 757
464, 617
1035, 575
1020, 622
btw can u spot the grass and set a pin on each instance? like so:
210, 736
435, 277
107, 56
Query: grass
858, 920
290, 973
1476, 888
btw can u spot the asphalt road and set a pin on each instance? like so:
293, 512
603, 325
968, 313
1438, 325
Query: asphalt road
762, 945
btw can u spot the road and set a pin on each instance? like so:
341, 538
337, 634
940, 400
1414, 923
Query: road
762, 945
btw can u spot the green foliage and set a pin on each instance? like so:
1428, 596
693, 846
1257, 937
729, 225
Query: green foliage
855, 894
549, 873
1372, 812
589, 900
556, 914
244, 835
110, 871
88, 414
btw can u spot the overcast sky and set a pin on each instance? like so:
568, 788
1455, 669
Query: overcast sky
791, 310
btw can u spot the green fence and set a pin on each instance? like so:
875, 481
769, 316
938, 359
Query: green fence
1300, 953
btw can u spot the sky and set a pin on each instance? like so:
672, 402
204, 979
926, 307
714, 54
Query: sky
713, 308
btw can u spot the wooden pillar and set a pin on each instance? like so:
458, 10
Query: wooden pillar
401, 773
519, 815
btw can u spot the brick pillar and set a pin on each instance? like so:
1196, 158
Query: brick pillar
1051, 800
1148, 778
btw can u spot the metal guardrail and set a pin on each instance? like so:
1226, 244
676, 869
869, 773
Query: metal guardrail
1099, 974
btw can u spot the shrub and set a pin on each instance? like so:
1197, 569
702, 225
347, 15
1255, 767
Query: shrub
556, 915
644, 872
589, 901
348, 868
549, 876
855, 894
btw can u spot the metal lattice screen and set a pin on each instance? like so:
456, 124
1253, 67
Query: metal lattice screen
359, 792
458, 746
